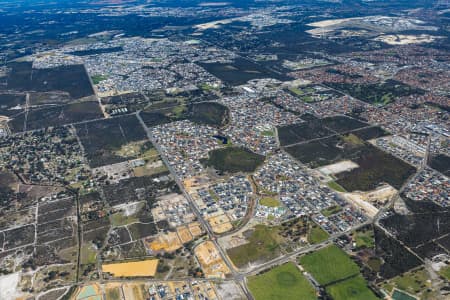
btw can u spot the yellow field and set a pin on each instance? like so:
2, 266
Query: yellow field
132, 269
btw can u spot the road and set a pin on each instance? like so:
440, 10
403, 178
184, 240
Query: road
238, 277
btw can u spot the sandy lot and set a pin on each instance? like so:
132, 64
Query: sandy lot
220, 223
166, 242
214, 24
402, 39
184, 234
196, 229
369, 201
132, 291
328, 23
132, 269
210, 260
8, 285
342, 166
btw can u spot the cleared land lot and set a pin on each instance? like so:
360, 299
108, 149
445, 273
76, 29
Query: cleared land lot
132, 269
283, 282
263, 245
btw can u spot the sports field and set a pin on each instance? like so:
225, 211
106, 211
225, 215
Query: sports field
351, 289
329, 264
282, 282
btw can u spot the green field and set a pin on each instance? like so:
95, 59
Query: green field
335, 186
329, 264
413, 282
269, 201
263, 245
282, 282
113, 294
331, 210
364, 238
351, 289
96, 79
88, 254
234, 159
445, 272
119, 219
267, 133
316, 234
296, 91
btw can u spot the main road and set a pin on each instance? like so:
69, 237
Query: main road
237, 276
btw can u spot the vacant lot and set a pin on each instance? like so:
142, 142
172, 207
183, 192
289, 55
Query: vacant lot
10, 103
240, 71
282, 282
210, 113
269, 201
132, 269
329, 265
327, 151
263, 245
376, 167
441, 163
57, 116
315, 128
103, 139
377, 93
342, 124
302, 132
316, 234
396, 258
234, 159
70, 79
370, 133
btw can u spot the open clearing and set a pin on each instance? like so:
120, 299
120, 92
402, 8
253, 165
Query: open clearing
8, 284
339, 167
282, 282
263, 245
316, 234
211, 261
404, 39
132, 269
269, 202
